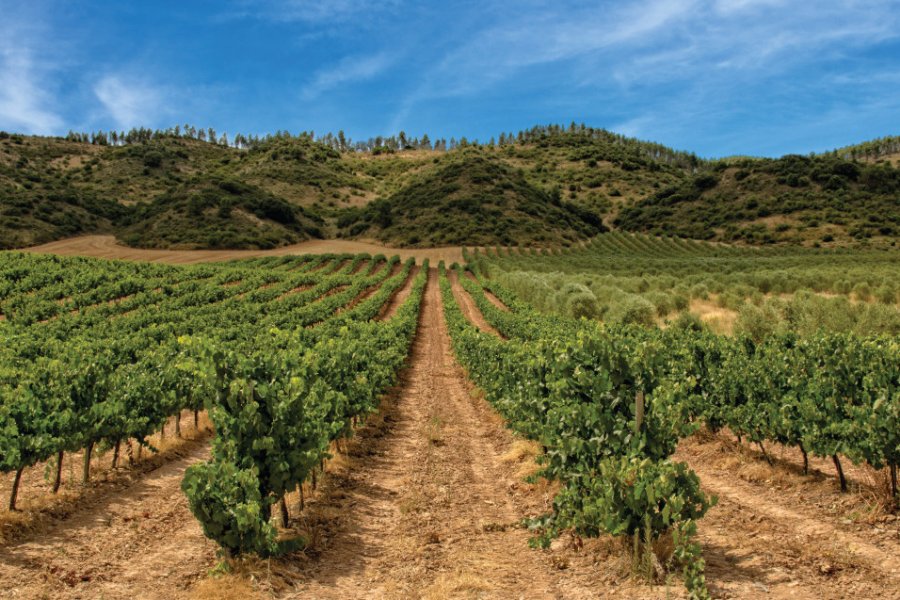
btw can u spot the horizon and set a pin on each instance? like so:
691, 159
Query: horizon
718, 78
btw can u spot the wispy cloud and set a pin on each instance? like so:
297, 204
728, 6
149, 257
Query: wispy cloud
310, 11
25, 99
129, 101
694, 44
348, 70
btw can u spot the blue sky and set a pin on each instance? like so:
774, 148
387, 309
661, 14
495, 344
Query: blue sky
719, 77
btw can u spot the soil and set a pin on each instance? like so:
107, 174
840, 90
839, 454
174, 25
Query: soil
140, 542
489, 295
397, 299
790, 531
468, 307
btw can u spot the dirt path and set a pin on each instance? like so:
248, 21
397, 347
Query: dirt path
399, 297
431, 511
489, 295
106, 246
140, 543
468, 307
757, 539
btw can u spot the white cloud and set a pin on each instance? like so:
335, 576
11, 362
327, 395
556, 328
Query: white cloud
347, 70
25, 99
130, 102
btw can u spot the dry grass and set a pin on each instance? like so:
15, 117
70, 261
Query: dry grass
879, 483
106, 246
523, 453
719, 320
459, 584
226, 587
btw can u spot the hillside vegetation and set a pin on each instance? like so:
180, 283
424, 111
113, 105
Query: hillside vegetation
792, 199
545, 186
469, 199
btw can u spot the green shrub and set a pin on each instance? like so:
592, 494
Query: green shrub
700, 291
886, 294
862, 291
757, 322
634, 310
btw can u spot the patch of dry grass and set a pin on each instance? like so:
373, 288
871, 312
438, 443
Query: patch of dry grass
458, 584
523, 454
719, 320
226, 587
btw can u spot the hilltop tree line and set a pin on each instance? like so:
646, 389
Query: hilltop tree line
871, 150
340, 142
540, 135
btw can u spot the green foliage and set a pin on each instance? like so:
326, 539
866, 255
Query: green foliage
546, 186
760, 291
470, 199
732, 201
603, 408
213, 213
93, 353
278, 409
227, 502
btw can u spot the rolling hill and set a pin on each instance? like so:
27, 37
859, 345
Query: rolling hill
545, 186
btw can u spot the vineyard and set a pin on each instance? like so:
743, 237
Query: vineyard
582, 448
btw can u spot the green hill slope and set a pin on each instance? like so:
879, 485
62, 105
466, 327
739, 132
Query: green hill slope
470, 199
545, 186
794, 199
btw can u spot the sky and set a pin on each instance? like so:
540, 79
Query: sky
717, 77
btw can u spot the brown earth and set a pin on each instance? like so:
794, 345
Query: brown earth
38, 507
106, 246
468, 307
397, 299
489, 295
792, 530
140, 542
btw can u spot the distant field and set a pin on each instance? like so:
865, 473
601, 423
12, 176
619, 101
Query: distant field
106, 246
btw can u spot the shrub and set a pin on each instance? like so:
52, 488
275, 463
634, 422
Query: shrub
633, 310
862, 291
700, 290
153, 159
757, 322
583, 305
886, 294
688, 321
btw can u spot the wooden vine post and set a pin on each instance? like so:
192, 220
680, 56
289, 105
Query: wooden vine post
638, 411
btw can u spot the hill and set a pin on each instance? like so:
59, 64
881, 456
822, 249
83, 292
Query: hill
794, 199
218, 213
545, 186
470, 199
